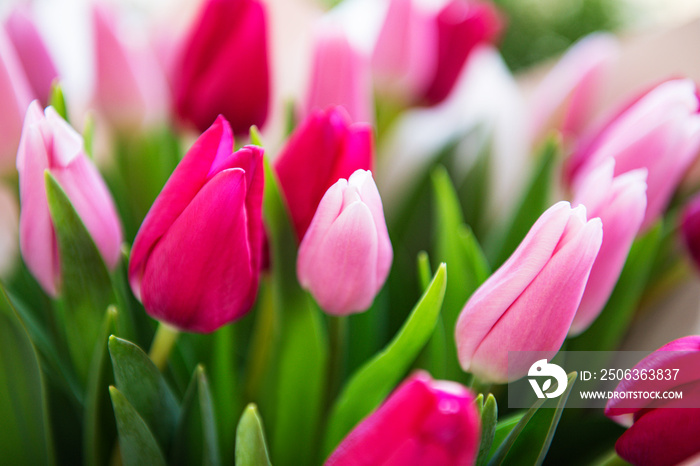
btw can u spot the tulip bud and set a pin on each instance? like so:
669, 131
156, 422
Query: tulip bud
346, 253
223, 68
48, 143
36, 61
664, 431
528, 304
324, 148
620, 203
424, 421
339, 76
660, 131
195, 263
690, 228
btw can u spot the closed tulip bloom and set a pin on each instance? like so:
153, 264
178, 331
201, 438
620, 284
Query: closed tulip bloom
424, 421
660, 131
339, 76
346, 254
36, 61
690, 228
528, 304
663, 431
195, 263
223, 68
50, 144
325, 147
620, 203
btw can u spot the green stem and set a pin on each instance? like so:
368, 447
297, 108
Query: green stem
162, 345
338, 333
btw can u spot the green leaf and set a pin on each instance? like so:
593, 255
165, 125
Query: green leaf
424, 272
57, 100
375, 380
503, 429
607, 331
530, 439
251, 446
196, 440
86, 288
535, 200
489, 419
99, 422
225, 388
136, 441
143, 385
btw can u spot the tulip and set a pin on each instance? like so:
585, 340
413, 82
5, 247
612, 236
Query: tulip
195, 263
48, 143
690, 228
660, 131
324, 148
223, 68
620, 203
346, 254
528, 304
663, 432
36, 61
424, 421
340, 76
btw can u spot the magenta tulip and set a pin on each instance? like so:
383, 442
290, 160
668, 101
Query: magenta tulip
663, 432
50, 144
690, 228
660, 131
424, 421
195, 263
223, 68
325, 147
620, 203
346, 254
36, 61
528, 304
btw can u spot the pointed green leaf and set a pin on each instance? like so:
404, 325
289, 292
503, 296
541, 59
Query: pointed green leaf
375, 380
251, 446
489, 419
196, 440
86, 288
434, 356
136, 441
57, 100
143, 385
530, 439
503, 429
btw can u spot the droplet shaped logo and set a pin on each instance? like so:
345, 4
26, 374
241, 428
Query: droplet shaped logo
542, 368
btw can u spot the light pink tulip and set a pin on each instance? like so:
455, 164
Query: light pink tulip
50, 144
346, 253
566, 97
620, 203
528, 304
340, 75
660, 131
37, 63
423, 422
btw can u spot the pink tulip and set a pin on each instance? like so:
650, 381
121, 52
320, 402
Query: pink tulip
346, 253
340, 76
660, 131
325, 147
49, 144
15, 95
223, 67
37, 63
424, 421
566, 97
664, 432
620, 203
528, 304
404, 58
690, 228
195, 262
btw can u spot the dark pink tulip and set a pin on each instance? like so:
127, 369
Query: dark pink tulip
659, 131
663, 432
690, 228
195, 263
223, 68
324, 148
31, 50
49, 144
528, 304
423, 422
